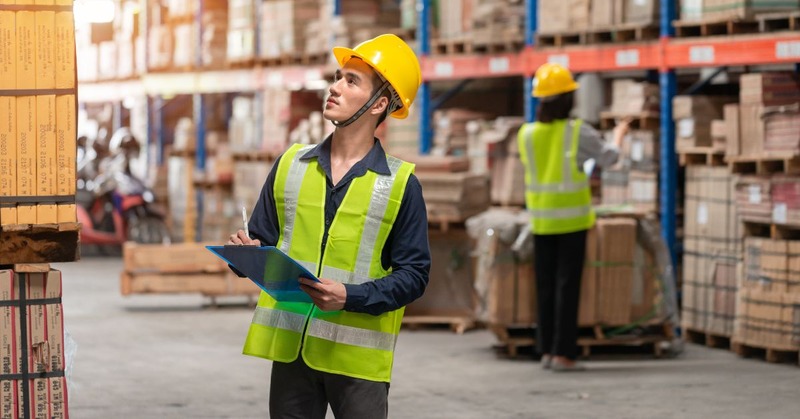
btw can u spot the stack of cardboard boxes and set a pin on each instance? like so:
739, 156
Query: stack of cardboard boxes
283, 29
358, 21
241, 30
557, 16
32, 362
732, 9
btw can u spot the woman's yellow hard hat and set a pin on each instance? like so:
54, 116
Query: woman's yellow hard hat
394, 60
553, 79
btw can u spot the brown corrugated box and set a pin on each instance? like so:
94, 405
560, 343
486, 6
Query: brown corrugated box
8, 158
733, 146
642, 12
753, 198
553, 16
769, 89
615, 254
752, 129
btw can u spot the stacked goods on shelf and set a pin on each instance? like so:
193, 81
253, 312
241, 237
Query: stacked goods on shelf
452, 193
451, 136
767, 113
712, 250
503, 163
562, 16
32, 382
710, 10
128, 44
241, 30
634, 179
311, 130
179, 268
402, 135
768, 301
693, 116
498, 22
753, 198
214, 39
248, 180
358, 21
183, 27
38, 128
243, 126
180, 178
283, 26
283, 110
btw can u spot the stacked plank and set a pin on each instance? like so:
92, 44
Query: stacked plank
451, 136
32, 382
712, 249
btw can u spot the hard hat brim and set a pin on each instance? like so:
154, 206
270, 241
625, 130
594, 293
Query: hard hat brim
344, 54
569, 88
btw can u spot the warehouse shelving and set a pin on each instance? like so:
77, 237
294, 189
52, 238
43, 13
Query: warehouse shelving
663, 55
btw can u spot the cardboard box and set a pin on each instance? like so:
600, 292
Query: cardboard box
642, 12
769, 89
733, 146
767, 319
615, 257
736, 9
66, 154
752, 129
700, 107
8, 36
26, 50
26, 157
553, 16
587, 306
606, 13
8, 158
46, 173
65, 50
45, 50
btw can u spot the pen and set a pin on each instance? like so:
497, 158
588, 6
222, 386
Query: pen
244, 221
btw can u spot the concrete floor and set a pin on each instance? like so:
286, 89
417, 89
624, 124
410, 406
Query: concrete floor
174, 357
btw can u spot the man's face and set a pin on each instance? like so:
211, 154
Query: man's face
351, 89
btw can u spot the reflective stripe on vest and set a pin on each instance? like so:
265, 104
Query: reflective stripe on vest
557, 196
371, 339
279, 319
291, 195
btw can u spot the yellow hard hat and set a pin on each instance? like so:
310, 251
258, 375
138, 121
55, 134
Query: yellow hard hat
395, 61
553, 79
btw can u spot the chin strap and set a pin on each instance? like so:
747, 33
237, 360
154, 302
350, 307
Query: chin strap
364, 108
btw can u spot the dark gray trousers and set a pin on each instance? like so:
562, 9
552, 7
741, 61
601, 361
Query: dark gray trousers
299, 392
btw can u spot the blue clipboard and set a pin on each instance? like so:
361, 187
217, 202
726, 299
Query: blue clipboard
269, 268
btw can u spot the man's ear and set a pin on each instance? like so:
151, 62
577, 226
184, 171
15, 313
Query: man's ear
380, 105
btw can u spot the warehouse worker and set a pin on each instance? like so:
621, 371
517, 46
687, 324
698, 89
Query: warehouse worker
553, 150
355, 217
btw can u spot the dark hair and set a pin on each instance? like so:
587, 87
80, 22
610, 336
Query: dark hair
558, 107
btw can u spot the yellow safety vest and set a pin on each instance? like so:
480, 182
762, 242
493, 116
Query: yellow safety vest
557, 190
353, 344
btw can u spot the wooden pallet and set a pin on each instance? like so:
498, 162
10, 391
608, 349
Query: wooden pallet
238, 63
710, 339
642, 121
765, 164
711, 27
39, 243
772, 355
513, 339
457, 323
621, 33
707, 156
254, 155
766, 228
451, 46
776, 22
498, 46
559, 39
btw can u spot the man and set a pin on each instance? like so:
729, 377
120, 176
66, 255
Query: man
355, 217
553, 150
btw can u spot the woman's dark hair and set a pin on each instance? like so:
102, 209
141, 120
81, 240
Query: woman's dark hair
558, 107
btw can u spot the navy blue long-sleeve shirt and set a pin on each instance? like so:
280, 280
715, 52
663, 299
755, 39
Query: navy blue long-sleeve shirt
406, 251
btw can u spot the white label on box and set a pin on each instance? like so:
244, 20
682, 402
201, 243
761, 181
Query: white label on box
701, 54
562, 59
627, 57
787, 49
702, 214
754, 194
275, 79
443, 69
499, 65
637, 151
779, 213
686, 128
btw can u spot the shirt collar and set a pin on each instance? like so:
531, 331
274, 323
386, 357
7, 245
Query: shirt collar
375, 159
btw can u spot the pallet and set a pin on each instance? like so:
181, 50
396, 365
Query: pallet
706, 338
646, 120
707, 156
776, 22
765, 164
254, 155
458, 324
498, 46
711, 27
39, 243
513, 339
766, 228
559, 39
622, 33
187, 153
240, 63
451, 46
772, 355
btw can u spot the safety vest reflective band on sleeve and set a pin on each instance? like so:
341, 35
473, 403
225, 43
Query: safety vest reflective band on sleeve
343, 276
291, 195
561, 212
279, 319
364, 338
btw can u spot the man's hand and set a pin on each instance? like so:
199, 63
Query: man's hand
328, 295
241, 239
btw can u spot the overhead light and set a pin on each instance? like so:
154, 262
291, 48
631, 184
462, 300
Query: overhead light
94, 11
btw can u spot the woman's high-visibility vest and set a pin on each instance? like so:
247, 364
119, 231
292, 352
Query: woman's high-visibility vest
557, 190
353, 344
